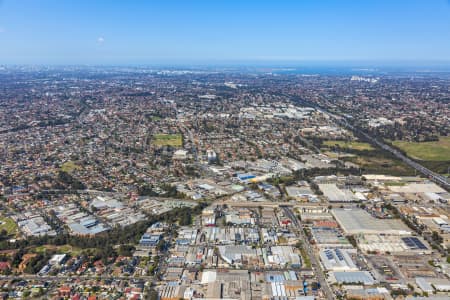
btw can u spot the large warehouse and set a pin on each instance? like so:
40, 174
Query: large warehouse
337, 260
335, 194
355, 277
359, 221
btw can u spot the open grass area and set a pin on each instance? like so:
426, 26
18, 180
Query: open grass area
61, 249
155, 118
360, 146
305, 258
174, 140
69, 167
381, 165
9, 225
394, 183
431, 151
337, 155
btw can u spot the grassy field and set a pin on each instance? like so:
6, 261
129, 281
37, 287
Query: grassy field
431, 151
338, 154
379, 164
306, 259
174, 140
69, 167
62, 249
349, 145
155, 118
9, 225
394, 183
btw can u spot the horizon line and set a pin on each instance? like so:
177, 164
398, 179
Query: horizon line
247, 62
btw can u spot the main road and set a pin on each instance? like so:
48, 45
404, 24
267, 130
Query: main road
60, 277
310, 251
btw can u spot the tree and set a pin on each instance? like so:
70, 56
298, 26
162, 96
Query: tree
152, 294
436, 237
161, 246
126, 250
26, 294
186, 218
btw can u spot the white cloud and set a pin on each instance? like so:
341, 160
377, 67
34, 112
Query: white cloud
100, 40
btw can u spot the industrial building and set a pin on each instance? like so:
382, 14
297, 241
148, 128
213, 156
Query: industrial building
359, 221
239, 254
87, 226
392, 244
337, 260
335, 194
329, 238
231, 235
431, 285
35, 226
150, 240
282, 255
354, 277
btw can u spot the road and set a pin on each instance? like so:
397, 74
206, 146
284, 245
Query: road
310, 251
163, 256
192, 141
65, 277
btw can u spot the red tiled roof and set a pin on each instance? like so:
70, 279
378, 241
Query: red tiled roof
4, 265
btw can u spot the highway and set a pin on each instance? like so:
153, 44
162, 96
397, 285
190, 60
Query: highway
310, 251
439, 179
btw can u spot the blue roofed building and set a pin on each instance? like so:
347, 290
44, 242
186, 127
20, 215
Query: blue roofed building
150, 240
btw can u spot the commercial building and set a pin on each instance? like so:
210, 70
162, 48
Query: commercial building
35, 226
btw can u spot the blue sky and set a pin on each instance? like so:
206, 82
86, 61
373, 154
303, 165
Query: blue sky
165, 31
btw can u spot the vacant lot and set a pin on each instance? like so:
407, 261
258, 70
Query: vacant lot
431, 151
174, 140
349, 145
9, 225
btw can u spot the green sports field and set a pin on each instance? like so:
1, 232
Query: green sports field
175, 140
69, 167
9, 225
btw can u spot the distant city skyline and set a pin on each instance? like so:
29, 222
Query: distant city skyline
178, 32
